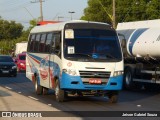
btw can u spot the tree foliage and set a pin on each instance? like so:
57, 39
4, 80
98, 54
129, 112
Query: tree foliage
95, 11
10, 29
11, 33
126, 10
33, 23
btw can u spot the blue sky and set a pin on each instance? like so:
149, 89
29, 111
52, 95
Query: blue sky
23, 11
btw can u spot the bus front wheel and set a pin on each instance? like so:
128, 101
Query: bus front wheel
59, 93
38, 88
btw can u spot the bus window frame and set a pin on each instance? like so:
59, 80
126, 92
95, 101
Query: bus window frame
36, 44
31, 43
54, 42
48, 51
44, 42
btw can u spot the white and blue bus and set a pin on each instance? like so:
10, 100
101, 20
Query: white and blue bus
76, 57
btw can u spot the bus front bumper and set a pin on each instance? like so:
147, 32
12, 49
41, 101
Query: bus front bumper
68, 82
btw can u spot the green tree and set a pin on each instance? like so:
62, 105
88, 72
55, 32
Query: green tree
126, 10
153, 9
95, 11
33, 23
10, 29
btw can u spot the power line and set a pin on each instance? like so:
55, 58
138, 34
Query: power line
15, 8
29, 12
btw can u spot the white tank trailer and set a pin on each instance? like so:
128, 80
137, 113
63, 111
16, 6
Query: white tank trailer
141, 49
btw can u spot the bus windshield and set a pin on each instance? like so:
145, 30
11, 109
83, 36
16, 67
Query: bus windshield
98, 45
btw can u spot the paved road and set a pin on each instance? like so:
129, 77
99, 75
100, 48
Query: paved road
17, 94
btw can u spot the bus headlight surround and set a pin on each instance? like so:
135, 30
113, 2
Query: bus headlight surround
117, 73
70, 71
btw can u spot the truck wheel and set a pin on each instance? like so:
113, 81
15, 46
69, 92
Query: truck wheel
113, 97
60, 94
128, 79
38, 88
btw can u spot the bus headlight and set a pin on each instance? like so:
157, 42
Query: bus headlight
70, 71
117, 73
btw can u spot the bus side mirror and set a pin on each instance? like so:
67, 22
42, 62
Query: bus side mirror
123, 43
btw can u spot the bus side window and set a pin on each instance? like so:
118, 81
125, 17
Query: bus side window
42, 43
48, 42
36, 44
57, 43
31, 43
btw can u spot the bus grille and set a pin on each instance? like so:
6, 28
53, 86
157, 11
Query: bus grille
102, 75
94, 74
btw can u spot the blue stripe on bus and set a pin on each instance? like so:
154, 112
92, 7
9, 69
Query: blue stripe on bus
134, 37
36, 57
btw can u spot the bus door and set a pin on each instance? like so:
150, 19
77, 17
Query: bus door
55, 58
45, 61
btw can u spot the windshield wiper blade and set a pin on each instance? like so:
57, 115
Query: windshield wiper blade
83, 54
110, 56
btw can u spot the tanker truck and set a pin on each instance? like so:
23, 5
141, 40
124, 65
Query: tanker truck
141, 50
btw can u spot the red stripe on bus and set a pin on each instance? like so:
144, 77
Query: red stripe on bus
34, 59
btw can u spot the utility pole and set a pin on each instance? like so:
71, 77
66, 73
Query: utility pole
114, 14
41, 11
71, 12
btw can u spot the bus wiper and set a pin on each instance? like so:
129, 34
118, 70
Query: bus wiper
110, 56
87, 55
83, 54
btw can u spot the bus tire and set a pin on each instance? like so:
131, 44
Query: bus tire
128, 79
113, 96
59, 93
38, 88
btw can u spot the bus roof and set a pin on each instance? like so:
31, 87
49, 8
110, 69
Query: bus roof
58, 26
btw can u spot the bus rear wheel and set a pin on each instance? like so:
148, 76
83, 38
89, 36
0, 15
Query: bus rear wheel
59, 93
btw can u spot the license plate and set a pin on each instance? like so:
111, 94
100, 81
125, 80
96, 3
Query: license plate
95, 81
5, 71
